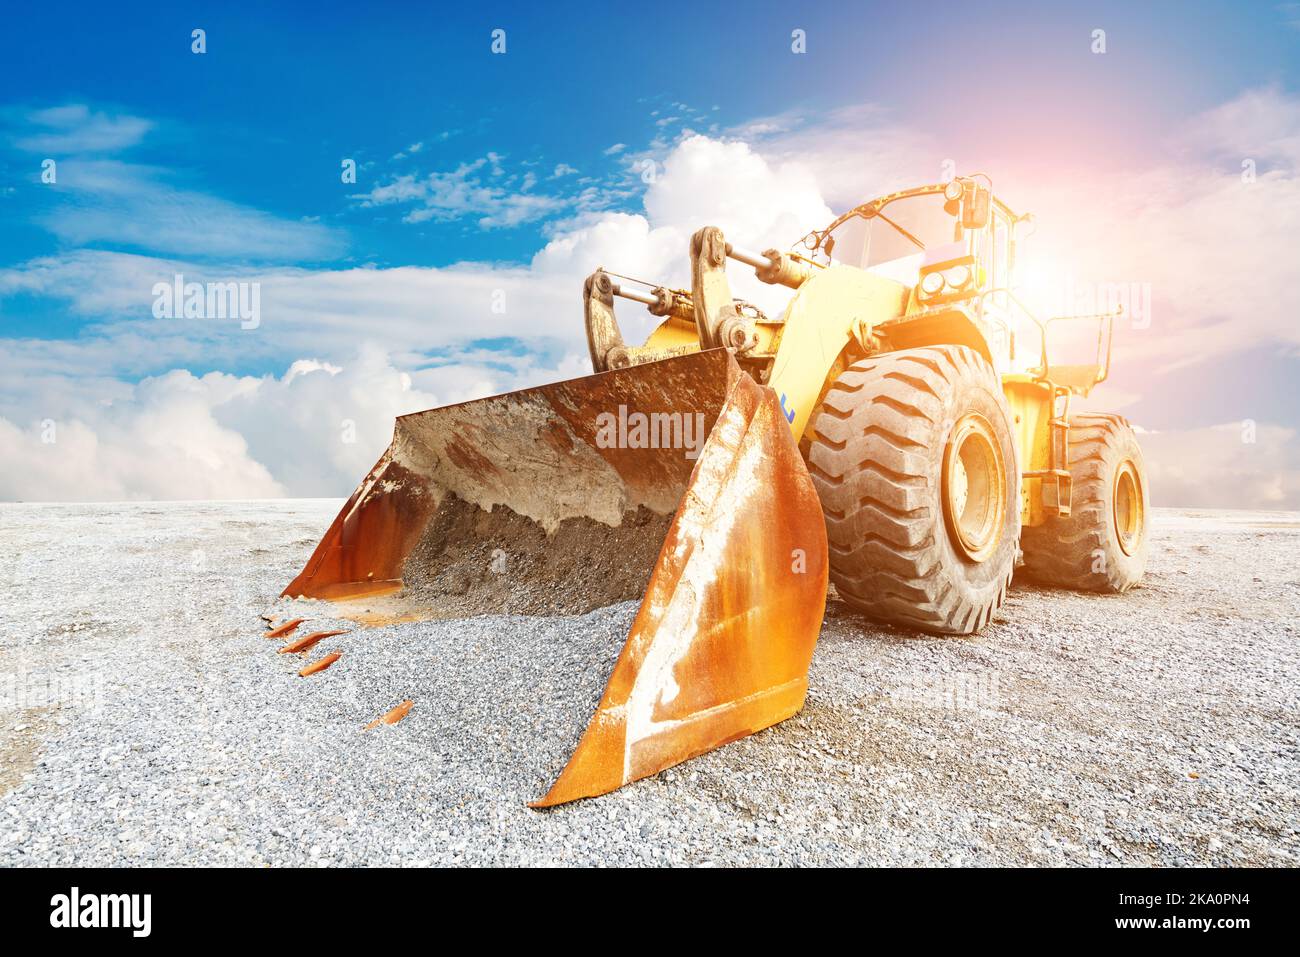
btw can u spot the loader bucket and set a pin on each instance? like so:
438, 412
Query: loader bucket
677, 482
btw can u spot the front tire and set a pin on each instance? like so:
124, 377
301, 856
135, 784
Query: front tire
913, 458
1102, 546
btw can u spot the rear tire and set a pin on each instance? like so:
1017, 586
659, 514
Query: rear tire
914, 461
1102, 546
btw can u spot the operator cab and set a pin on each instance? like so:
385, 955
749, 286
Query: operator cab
952, 244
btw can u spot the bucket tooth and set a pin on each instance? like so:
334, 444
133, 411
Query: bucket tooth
392, 716
307, 641
281, 630
320, 664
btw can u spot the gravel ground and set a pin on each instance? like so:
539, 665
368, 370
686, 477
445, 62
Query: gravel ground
144, 719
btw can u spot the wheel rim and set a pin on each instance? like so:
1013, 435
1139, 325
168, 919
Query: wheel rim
974, 487
1127, 507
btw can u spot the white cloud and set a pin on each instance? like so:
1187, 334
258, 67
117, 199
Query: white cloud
415, 311
160, 441
106, 201
1263, 124
462, 193
314, 431
1245, 465
855, 153
712, 182
96, 199
74, 128
320, 426
1216, 249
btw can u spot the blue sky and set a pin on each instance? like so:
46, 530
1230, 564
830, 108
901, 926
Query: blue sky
471, 166
285, 91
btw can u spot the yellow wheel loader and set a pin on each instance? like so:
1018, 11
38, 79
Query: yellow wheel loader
900, 429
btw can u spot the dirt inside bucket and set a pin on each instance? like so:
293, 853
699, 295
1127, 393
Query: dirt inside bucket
475, 562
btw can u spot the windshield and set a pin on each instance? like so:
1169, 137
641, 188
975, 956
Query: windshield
896, 238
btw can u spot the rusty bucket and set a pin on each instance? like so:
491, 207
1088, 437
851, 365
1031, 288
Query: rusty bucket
682, 475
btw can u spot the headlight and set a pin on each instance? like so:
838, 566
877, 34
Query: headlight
932, 284
958, 277
952, 192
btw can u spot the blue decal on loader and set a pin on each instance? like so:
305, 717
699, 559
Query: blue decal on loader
789, 413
